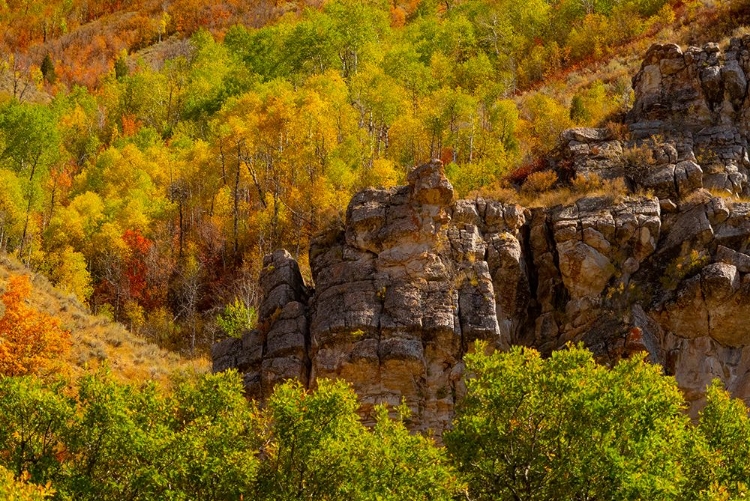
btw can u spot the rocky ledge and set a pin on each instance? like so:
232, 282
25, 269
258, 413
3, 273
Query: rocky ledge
690, 116
403, 289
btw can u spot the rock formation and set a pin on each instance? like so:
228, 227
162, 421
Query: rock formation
414, 276
691, 113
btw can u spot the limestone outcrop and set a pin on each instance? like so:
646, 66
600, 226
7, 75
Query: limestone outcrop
414, 277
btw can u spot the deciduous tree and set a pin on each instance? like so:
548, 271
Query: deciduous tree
567, 428
31, 341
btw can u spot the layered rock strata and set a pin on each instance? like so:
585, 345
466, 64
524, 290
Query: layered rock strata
414, 277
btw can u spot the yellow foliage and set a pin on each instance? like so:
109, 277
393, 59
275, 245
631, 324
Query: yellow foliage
12, 489
385, 173
544, 119
76, 223
68, 272
135, 315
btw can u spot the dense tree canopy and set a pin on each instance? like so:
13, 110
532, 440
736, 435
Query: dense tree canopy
568, 428
528, 429
105, 440
151, 154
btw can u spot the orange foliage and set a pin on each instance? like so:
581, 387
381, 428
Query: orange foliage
130, 125
31, 342
398, 17
136, 269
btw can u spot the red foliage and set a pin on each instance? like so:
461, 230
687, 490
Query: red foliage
446, 156
130, 125
519, 175
136, 269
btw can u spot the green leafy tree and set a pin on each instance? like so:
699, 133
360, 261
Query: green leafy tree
715, 461
309, 456
104, 440
216, 434
319, 449
357, 26
568, 428
121, 67
29, 145
114, 440
34, 420
398, 465
48, 69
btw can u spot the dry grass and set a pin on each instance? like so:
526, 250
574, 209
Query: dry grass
98, 340
31, 94
539, 182
728, 197
580, 187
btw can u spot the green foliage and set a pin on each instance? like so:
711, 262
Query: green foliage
29, 140
121, 67
715, 459
578, 112
216, 437
684, 265
568, 428
105, 440
33, 422
320, 450
528, 428
48, 69
114, 441
398, 465
29, 146
237, 318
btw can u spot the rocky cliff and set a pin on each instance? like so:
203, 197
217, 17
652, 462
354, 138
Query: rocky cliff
414, 277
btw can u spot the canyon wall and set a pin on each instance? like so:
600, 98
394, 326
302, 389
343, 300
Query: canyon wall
414, 277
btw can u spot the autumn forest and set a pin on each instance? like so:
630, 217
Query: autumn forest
150, 155
153, 152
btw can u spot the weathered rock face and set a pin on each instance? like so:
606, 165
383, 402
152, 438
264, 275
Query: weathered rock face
401, 293
403, 290
414, 277
279, 349
691, 110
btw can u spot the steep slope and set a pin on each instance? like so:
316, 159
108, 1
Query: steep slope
84, 38
414, 277
97, 340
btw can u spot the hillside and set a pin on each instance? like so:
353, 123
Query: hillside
436, 249
85, 38
97, 340
204, 137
